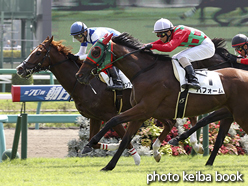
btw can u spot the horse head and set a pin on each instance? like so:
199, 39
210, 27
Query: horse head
94, 61
38, 59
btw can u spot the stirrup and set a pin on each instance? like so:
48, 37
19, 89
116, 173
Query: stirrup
115, 87
191, 85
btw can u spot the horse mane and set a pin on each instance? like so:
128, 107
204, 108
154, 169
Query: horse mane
125, 39
60, 47
220, 47
128, 40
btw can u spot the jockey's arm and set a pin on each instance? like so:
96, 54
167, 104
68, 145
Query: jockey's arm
242, 60
82, 53
177, 38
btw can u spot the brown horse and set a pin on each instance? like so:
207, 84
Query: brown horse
219, 60
99, 106
155, 89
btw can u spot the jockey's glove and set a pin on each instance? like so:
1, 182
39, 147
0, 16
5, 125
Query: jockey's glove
147, 46
232, 58
72, 57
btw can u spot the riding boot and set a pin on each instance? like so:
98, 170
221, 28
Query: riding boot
117, 83
192, 79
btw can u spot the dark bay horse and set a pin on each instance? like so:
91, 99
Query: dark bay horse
155, 90
52, 55
218, 61
225, 6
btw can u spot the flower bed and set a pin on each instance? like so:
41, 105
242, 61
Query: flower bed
236, 142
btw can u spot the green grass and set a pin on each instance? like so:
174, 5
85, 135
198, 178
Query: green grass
86, 171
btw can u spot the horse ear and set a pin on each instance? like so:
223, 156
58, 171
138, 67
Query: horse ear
105, 35
47, 38
51, 39
107, 39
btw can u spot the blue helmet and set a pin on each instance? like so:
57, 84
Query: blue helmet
78, 28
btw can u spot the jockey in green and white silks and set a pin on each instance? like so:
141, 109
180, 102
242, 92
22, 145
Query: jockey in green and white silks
199, 46
87, 36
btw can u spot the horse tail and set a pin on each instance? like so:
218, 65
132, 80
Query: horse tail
219, 43
220, 48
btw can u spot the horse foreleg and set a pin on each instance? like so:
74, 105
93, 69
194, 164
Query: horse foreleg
131, 131
95, 126
224, 127
168, 124
121, 132
129, 115
193, 138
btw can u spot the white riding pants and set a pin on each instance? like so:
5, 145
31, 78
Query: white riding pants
197, 53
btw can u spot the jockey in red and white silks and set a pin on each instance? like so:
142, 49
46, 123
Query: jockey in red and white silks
199, 46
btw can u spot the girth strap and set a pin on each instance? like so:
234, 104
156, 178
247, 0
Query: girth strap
181, 103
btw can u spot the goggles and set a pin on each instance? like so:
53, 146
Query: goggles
161, 34
239, 49
79, 36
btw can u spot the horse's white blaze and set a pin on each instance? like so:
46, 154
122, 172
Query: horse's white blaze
31, 53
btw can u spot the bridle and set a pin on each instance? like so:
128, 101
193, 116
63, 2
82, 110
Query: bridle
38, 67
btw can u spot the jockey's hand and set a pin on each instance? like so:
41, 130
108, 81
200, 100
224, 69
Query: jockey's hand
72, 57
146, 46
232, 58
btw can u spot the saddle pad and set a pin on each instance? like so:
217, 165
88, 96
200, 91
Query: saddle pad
209, 80
108, 80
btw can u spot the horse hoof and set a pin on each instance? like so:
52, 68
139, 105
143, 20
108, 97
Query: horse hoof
86, 150
200, 150
157, 157
105, 169
208, 164
173, 142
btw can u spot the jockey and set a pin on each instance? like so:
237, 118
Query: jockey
199, 46
90, 35
240, 44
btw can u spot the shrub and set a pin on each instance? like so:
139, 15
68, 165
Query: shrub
16, 80
8, 53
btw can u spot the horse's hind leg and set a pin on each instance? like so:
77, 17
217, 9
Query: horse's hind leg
214, 116
224, 127
131, 131
168, 124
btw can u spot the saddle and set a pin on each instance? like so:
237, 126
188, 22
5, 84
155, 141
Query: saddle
209, 81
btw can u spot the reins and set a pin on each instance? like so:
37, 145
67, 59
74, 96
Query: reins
121, 57
125, 55
38, 67
141, 71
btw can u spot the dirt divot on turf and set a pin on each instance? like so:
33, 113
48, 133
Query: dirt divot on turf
44, 143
